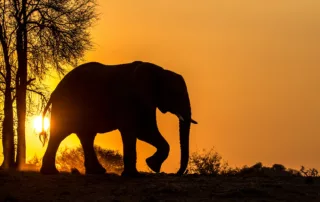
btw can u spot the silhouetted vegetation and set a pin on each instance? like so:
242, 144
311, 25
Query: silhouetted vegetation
72, 160
311, 172
211, 163
204, 163
207, 163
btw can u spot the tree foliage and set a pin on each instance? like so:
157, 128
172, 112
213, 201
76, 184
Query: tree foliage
58, 33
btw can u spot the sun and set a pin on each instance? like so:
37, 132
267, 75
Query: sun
37, 123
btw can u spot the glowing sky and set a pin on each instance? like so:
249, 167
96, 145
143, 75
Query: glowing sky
252, 69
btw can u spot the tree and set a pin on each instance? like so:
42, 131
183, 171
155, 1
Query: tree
6, 76
47, 34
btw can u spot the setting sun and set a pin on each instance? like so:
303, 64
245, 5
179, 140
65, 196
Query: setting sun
37, 124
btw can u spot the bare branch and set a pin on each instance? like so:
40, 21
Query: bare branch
4, 77
38, 92
30, 80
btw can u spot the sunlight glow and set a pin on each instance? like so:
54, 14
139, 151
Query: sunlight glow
37, 123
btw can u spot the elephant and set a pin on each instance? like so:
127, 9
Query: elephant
98, 98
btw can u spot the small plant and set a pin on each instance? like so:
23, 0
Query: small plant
294, 172
253, 170
278, 167
230, 171
311, 172
258, 170
257, 166
207, 163
35, 160
110, 159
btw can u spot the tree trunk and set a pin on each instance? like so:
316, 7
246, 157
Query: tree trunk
21, 114
21, 87
8, 132
7, 124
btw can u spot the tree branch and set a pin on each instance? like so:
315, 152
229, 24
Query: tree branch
2, 74
30, 80
39, 93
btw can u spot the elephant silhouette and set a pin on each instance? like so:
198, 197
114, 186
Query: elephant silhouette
96, 98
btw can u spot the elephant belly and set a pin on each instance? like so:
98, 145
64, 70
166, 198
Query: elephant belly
96, 106
78, 117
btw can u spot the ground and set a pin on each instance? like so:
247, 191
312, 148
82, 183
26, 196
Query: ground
32, 186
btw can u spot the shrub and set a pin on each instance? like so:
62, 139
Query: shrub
254, 170
35, 160
257, 166
278, 167
207, 163
294, 172
70, 158
311, 172
110, 159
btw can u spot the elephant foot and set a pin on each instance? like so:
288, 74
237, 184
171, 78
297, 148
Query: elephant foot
153, 164
49, 171
96, 171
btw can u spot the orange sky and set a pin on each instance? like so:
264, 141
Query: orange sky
251, 67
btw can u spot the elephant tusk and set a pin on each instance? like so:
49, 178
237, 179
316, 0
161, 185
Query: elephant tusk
180, 117
193, 121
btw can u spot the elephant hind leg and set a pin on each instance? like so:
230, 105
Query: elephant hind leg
48, 161
91, 162
157, 140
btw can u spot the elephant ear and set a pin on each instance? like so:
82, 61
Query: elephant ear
144, 84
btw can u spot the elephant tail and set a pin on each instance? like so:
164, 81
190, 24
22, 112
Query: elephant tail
43, 136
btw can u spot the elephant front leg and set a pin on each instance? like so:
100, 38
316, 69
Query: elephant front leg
157, 140
129, 154
91, 162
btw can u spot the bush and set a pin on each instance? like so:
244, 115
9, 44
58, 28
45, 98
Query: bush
70, 158
311, 172
35, 160
294, 172
258, 166
279, 167
207, 163
210, 163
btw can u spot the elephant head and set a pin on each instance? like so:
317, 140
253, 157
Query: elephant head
167, 91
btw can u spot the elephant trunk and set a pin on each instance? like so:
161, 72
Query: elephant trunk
184, 129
